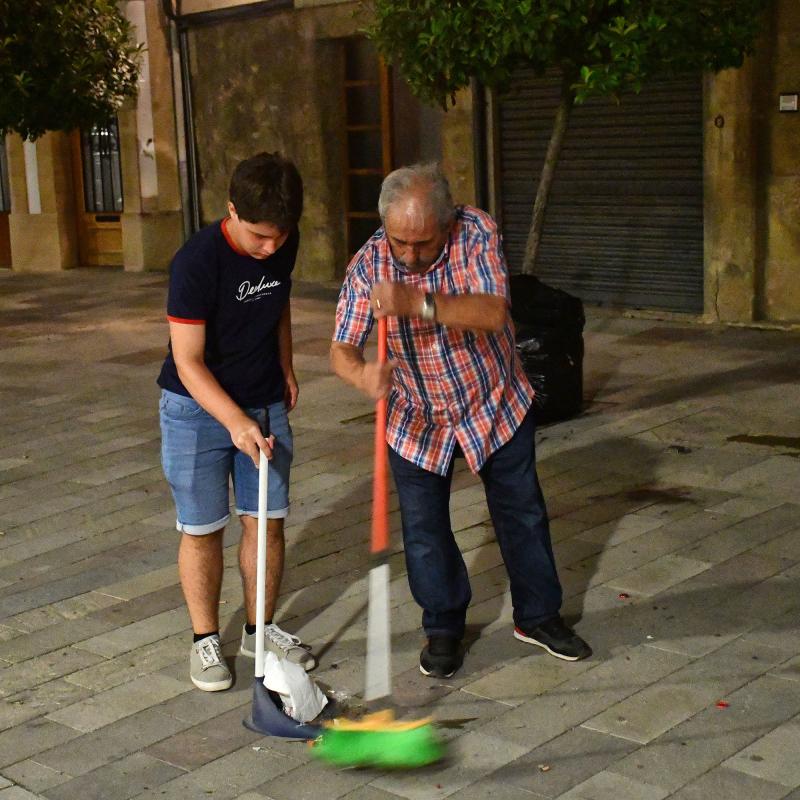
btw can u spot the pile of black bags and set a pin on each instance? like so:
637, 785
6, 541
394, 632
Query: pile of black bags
549, 336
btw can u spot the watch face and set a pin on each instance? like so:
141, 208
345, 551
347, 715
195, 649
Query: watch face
428, 307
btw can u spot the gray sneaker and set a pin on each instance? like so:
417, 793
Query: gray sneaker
207, 668
283, 644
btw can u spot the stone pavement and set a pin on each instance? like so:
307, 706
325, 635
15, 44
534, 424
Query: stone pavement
675, 501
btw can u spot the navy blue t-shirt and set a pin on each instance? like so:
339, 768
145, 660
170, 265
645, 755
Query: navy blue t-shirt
240, 300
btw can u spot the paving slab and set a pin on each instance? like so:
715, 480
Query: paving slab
32, 737
658, 575
32, 672
313, 781
470, 757
110, 743
106, 707
689, 750
35, 777
124, 778
767, 758
564, 762
606, 785
206, 742
227, 776
722, 783
578, 699
660, 707
18, 793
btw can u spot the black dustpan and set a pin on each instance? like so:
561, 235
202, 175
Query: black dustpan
266, 715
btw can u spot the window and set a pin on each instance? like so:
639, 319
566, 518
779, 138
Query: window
102, 175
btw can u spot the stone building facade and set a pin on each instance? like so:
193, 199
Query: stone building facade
225, 78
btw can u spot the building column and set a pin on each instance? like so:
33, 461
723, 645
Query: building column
730, 186
781, 183
42, 229
152, 222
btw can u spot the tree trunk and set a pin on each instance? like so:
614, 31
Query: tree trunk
548, 172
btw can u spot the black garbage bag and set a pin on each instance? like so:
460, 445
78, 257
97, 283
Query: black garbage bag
549, 337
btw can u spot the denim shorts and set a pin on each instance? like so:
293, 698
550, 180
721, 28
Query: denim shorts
200, 461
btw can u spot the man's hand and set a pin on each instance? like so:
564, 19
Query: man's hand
395, 300
246, 436
376, 379
292, 391
370, 377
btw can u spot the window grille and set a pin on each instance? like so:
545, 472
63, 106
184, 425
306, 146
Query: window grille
102, 173
5, 193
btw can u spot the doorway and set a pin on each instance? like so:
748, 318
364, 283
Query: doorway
98, 185
385, 127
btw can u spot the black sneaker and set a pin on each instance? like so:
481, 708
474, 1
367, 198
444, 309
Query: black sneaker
441, 657
557, 638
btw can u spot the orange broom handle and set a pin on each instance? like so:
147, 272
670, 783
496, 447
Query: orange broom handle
380, 480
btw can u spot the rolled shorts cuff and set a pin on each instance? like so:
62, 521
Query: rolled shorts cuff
202, 530
273, 513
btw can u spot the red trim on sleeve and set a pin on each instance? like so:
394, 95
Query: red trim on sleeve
186, 321
229, 238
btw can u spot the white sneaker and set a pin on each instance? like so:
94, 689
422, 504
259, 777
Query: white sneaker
283, 644
207, 668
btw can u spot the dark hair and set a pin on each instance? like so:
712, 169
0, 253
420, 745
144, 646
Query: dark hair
267, 188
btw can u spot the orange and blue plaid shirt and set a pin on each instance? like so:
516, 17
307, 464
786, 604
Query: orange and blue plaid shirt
449, 385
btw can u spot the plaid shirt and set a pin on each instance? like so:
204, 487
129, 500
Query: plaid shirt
449, 385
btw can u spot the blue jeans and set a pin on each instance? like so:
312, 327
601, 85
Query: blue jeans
437, 574
200, 461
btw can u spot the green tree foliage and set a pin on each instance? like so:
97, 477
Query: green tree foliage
63, 64
601, 47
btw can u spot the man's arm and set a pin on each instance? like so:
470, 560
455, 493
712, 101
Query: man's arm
370, 377
188, 345
475, 312
285, 357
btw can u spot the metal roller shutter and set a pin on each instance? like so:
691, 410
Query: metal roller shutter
624, 223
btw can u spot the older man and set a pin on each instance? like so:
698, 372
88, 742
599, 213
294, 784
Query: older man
454, 385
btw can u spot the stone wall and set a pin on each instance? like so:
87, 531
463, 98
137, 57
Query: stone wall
780, 188
279, 89
752, 181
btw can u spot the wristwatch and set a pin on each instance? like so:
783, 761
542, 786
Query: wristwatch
428, 311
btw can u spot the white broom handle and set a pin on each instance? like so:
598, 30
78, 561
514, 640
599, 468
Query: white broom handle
261, 561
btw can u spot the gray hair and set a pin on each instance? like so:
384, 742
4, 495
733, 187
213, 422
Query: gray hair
398, 183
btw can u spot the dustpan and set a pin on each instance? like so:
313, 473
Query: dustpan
266, 711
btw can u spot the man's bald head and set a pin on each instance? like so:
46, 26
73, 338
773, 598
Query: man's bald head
417, 213
418, 189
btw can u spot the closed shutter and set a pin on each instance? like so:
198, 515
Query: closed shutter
624, 223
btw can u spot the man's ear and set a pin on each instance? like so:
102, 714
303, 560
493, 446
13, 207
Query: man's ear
231, 209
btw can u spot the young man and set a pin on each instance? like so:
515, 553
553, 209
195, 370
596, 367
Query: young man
227, 384
454, 385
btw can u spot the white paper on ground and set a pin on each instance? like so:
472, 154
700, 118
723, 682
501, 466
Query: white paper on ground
302, 698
